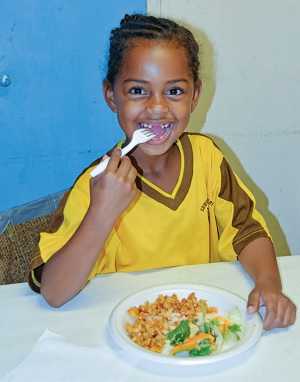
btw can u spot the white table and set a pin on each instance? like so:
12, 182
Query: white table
24, 316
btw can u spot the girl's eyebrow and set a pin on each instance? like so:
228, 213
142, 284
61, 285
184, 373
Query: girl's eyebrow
134, 80
177, 80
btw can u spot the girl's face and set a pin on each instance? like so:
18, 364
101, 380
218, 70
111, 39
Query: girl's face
154, 88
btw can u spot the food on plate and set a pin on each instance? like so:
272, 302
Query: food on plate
187, 326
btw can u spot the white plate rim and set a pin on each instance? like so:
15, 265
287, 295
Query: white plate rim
118, 318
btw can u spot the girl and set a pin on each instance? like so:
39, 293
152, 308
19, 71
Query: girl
173, 200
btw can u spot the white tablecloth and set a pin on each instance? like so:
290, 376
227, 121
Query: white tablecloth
83, 324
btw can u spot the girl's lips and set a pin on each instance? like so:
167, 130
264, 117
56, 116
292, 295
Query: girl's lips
161, 130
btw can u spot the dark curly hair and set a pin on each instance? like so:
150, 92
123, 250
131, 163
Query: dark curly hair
138, 26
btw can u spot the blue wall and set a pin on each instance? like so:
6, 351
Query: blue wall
53, 118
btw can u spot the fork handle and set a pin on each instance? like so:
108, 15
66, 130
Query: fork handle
102, 165
100, 168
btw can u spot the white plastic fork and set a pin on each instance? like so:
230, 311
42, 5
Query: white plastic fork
139, 136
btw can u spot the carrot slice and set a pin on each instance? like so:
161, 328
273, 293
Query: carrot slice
191, 343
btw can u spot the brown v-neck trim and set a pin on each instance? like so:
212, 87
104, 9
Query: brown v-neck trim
170, 202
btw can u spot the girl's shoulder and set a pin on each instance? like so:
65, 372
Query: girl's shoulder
201, 141
203, 150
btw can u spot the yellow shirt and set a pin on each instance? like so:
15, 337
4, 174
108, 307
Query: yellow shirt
210, 216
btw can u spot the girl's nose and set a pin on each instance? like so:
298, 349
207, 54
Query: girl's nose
157, 106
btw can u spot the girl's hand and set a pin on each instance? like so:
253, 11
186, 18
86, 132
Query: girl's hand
280, 310
259, 261
112, 191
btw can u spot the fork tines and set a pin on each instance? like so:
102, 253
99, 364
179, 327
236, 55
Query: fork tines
147, 132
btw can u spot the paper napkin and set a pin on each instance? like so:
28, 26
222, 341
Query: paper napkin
55, 359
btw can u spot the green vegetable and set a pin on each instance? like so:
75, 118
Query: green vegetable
179, 334
203, 309
235, 316
235, 328
205, 349
183, 337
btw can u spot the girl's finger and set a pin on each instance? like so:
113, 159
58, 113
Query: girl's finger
253, 301
114, 160
125, 166
132, 175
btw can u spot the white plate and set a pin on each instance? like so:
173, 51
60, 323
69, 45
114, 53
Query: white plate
222, 299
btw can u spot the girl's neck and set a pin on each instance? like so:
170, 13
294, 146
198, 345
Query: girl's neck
162, 170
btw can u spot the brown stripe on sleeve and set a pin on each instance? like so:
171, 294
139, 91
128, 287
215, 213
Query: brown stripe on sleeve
248, 227
58, 216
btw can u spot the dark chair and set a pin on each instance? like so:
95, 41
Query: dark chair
19, 234
17, 244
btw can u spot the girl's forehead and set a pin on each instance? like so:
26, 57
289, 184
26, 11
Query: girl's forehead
143, 52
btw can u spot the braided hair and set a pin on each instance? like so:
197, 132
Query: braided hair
139, 26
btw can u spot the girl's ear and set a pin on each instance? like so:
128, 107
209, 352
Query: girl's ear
197, 93
109, 95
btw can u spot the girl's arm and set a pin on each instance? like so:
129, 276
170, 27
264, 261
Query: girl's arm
66, 272
259, 261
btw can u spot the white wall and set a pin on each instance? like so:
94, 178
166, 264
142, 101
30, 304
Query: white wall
250, 101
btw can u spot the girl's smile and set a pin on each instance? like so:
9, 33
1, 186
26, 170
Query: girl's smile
154, 88
161, 130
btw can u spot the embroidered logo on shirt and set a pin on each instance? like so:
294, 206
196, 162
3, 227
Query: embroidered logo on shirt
206, 204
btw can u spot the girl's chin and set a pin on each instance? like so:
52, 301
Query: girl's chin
155, 150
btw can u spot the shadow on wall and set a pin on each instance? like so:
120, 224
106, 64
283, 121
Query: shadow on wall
278, 236
207, 77
197, 122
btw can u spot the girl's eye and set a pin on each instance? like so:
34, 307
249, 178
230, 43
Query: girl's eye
174, 91
138, 91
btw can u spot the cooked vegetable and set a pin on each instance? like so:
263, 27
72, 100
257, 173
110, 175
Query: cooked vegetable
194, 343
179, 334
188, 326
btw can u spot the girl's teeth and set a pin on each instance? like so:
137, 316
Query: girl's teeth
161, 130
144, 125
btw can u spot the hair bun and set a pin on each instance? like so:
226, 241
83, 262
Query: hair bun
129, 18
